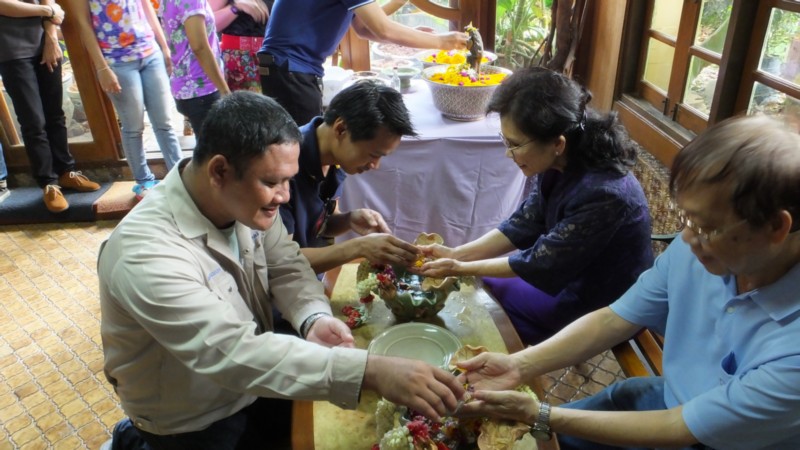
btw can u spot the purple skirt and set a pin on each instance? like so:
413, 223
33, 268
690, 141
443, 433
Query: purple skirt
532, 312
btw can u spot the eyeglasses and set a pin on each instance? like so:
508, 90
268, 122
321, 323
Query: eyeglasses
509, 147
703, 234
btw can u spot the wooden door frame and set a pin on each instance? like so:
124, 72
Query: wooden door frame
105, 149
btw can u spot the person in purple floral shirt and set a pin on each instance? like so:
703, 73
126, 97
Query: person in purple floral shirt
583, 233
197, 80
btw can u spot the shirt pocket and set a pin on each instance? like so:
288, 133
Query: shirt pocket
224, 286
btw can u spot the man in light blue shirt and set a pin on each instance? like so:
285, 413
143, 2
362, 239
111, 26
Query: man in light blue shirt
725, 296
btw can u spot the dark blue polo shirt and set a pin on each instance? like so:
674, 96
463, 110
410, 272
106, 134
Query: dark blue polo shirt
313, 196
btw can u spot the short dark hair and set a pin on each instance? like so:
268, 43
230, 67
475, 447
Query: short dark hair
758, 156
243, 125
367, 105
544, 105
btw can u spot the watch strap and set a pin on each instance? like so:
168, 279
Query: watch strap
541, 428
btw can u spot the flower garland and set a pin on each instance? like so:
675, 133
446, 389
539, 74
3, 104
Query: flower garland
383, 277
463, 75
450, 57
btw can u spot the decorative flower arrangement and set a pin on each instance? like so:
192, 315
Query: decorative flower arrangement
408, 295
401, 429
463, 75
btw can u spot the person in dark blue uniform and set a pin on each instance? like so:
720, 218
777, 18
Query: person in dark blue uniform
302, 33
363, 124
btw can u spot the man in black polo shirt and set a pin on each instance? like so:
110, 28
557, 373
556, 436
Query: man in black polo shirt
363, 124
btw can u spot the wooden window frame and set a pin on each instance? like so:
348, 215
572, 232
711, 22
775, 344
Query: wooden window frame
645, 122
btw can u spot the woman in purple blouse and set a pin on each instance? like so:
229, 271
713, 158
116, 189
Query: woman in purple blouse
583, 234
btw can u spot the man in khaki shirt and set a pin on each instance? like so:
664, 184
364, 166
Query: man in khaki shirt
187, 285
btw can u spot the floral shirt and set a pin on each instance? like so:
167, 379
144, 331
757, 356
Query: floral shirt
583, 236
122, 30
188, 80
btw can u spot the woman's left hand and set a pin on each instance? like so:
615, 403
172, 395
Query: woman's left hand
441, 267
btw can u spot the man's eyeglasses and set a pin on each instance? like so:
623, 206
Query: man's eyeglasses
704, 235
511, 148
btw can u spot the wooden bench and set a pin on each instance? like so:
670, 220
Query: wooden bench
642, 354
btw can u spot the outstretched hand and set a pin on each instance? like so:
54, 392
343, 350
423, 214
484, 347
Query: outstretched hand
491, 371
386, 249
430, 390
453, 40
509, 405
442, 267
365, 221
330, 332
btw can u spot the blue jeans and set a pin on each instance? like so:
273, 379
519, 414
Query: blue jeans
633, 394
145, 85
3, 168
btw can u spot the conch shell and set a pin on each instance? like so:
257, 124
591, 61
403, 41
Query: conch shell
464, 353
429, 239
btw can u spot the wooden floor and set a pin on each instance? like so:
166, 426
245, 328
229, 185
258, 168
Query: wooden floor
52, 390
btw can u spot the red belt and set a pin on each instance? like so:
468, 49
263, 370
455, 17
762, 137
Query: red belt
246, 43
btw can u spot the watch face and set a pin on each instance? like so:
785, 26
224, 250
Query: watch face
541, 435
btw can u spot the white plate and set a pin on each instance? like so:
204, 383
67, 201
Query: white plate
421, 341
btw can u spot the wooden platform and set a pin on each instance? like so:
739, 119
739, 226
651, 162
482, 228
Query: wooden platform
116, 202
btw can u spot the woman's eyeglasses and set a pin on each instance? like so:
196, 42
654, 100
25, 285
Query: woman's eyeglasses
704, 235
512, 148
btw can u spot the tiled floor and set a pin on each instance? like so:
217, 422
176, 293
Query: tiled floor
52, 390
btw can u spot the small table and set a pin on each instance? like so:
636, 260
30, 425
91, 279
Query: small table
454, 179
471, 314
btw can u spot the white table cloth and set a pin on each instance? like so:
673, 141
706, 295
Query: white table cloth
454, 179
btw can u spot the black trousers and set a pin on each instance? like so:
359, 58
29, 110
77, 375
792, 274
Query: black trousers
37, 95
196, 109
299, 93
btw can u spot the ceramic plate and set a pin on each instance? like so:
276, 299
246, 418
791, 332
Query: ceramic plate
422, 341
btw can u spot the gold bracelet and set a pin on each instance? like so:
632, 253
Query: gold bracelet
104, 68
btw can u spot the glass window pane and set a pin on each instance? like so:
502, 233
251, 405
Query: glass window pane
777, 104
77, 124
658, 64
666, 17
713, 26
412, 16
701, 85
781, 53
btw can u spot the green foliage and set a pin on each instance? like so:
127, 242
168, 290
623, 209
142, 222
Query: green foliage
783, 28
521, 27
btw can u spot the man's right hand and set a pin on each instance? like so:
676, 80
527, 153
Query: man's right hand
454, 40
429, 390
383, 248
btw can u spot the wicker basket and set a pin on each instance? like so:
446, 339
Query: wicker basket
464, 103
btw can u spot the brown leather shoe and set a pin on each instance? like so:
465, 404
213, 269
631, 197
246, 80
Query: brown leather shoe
77, 181
54, 200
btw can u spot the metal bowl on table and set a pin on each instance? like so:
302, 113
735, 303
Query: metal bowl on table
464, 103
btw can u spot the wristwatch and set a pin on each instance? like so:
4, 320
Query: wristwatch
234, 9
541, 428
